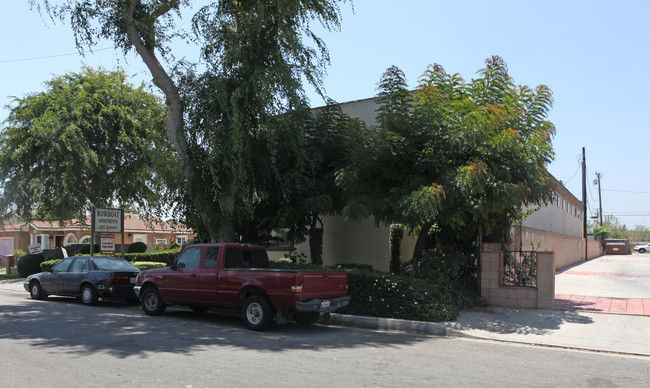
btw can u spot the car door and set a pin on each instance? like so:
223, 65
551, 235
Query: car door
77, 272
208, 276
182, 282
54, 282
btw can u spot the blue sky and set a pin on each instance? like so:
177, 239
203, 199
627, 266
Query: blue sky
594, 55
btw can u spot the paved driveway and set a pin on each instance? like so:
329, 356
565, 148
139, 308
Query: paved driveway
614, 283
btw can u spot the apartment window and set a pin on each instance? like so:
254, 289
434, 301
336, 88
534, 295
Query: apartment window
41, 239
140, 238
70, 239
160, 240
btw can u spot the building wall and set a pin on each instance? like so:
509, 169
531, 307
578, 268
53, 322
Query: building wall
361, 242
568, 250
22, 239
562, 216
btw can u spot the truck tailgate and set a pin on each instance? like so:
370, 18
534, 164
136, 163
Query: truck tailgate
324, 284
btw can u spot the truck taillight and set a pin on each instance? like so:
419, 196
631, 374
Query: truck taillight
297, 284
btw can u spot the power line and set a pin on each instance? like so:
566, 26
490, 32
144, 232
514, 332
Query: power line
50, 56
627, 191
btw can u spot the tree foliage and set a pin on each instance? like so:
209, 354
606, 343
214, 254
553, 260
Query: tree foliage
90, 139
256, 57
460, 158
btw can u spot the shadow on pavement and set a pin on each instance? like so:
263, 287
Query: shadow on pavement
64, 325
502, 320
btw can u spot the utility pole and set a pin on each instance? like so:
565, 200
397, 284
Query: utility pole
584, 201
600, 202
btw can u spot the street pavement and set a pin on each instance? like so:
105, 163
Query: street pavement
601, 305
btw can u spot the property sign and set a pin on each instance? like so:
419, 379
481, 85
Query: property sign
108, 244
35, 249
107, 220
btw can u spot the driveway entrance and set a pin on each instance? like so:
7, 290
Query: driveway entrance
614, 283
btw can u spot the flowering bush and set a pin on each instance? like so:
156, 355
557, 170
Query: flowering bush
394, 296
379, 294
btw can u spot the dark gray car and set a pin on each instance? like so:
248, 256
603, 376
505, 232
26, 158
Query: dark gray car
85, 277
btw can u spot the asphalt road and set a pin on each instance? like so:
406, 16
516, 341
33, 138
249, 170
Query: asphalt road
61, 343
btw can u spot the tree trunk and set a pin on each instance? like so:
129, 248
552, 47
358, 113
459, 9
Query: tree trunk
316, 240
175, 125
419, 244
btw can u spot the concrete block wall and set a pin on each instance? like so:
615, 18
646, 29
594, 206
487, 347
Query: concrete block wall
492, 289
568, 250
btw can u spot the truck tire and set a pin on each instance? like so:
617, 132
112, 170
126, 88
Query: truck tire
151, 302
306, 318
257, 312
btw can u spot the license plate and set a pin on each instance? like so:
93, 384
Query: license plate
132, 280
325, 304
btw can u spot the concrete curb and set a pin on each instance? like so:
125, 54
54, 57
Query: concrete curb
375, 323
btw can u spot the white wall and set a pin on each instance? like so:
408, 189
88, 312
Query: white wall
359, 242
563, 216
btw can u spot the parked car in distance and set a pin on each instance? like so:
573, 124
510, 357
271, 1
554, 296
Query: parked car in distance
642, 248
239, 277
85, 277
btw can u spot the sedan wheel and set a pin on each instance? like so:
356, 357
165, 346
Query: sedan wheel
641, 250
35, 290
89, 296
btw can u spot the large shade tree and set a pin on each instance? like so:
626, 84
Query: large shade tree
89, 139
461, 159
255, 56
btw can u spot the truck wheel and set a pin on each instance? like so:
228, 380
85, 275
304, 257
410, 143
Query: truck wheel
257, 312
306, 318
89, 295
152, 303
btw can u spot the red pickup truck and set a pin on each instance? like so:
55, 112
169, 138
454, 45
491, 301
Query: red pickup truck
238, 276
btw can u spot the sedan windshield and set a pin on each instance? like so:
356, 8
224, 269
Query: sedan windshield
112, 264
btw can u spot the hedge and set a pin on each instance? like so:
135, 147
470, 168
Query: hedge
167, 256
29, 265
380, 294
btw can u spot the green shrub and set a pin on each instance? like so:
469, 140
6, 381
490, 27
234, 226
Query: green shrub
29, 265
385, 295
137, 247
379, 294
142, 265
85, 249
167, 256
395, 243
452, 272
47, 265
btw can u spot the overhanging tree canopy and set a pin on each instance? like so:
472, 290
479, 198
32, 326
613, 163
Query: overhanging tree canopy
462, 158
90, 139
256, 56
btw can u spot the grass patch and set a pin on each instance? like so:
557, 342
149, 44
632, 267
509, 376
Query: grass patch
5, 276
